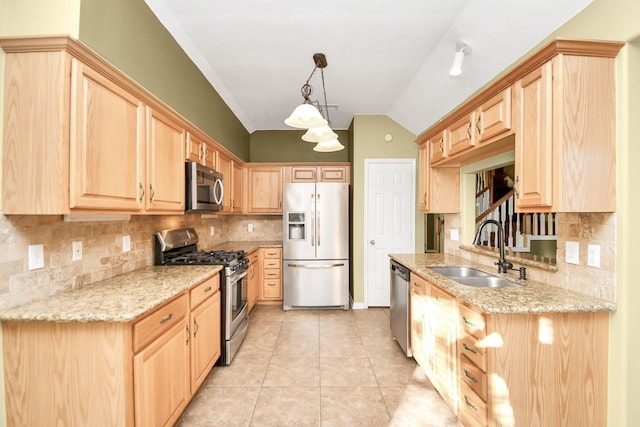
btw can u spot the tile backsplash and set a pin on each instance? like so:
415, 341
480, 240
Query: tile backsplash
102, 255
583, 228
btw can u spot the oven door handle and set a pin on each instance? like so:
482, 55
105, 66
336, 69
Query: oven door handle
240, 276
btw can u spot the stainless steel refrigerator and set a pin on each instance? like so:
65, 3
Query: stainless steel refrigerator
315, 250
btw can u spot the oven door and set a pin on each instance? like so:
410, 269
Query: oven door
236, 301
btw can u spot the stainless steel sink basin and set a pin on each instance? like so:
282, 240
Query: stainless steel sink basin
459, 271
471, 277
484, 281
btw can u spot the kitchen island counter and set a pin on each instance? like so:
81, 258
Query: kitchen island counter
119, 299
532, 297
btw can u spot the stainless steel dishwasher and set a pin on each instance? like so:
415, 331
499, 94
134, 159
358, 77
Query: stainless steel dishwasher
399, 306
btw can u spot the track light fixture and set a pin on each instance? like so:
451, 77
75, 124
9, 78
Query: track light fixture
309, 115
461, 50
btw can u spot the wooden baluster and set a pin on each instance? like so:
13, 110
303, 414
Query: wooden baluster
543, 225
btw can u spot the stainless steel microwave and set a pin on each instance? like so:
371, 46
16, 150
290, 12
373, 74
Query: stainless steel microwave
204, 188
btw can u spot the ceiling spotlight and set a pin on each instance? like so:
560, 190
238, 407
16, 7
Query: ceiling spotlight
311, 114
461, 50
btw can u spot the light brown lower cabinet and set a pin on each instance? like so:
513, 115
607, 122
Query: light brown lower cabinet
271, 274
255, 278
111, 373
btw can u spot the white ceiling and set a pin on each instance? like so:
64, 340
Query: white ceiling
384, 57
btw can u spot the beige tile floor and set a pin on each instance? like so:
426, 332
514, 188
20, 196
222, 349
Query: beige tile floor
318, 368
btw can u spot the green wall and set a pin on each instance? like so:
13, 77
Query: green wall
286, 146
128, 35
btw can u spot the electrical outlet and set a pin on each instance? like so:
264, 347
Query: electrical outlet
211, 231
250, 228
36, 256
572, 252
593, 256
126, 243
455, 236
76, 251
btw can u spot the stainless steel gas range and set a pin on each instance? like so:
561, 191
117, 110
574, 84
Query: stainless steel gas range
179, 247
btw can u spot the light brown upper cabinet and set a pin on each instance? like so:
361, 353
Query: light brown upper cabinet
565, 136
80, 137
324, 173
264, 189
556, 110
231, 170
165, 163
438, 188
199, 150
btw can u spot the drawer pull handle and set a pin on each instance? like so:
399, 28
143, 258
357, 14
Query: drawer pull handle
271, 284
196, 327
472, 350
166, 319
469, 404
468, 322
417, 284
208, 289
468, 375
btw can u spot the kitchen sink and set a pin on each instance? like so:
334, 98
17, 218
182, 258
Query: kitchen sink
471, 277
459, 271
484, 281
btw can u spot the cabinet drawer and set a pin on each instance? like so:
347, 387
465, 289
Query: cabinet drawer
468, 346
272, 253
254, 257
271, 273
201, 292
471, 321
271, 289
419, 285
474, 377
158, 322
441, 300
271, 263
472, 411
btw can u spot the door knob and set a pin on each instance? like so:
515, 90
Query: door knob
372, 242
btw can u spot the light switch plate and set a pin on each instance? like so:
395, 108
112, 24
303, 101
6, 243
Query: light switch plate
455, 236
593, 256
36, 256
250, 228
572, 252
126, 243
212, 231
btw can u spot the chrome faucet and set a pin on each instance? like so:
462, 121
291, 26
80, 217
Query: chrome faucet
503, 265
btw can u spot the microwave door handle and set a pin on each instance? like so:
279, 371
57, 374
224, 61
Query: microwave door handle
218, 188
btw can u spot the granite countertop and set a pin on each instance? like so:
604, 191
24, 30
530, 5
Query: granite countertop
119, 299
247, 246
532, 297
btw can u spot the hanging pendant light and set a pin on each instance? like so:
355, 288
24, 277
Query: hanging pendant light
328, 146
309, 115
319, 134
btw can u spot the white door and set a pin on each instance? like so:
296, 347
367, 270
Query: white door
389, 221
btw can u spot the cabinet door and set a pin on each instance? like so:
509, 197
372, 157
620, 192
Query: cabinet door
334, 174
223, 165
237, 184
195, 148
461, 135
493, 118
264, 190
106, 144
534, 139
437, 147
303, 174
161, 378
205, 343
165, 163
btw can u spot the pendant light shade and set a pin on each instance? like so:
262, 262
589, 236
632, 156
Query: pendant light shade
308, 116
305, 116
328, 146
319, 134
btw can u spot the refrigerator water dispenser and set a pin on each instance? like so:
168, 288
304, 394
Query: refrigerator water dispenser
297, 226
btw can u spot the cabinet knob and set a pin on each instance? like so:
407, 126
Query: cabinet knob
372, 242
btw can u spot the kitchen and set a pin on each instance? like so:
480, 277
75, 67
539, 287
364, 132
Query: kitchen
106, 259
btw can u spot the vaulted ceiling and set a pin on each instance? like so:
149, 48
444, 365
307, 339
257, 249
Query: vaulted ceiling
384, 57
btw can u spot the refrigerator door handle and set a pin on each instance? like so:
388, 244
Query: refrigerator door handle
318, 219
315, 266
313, 220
